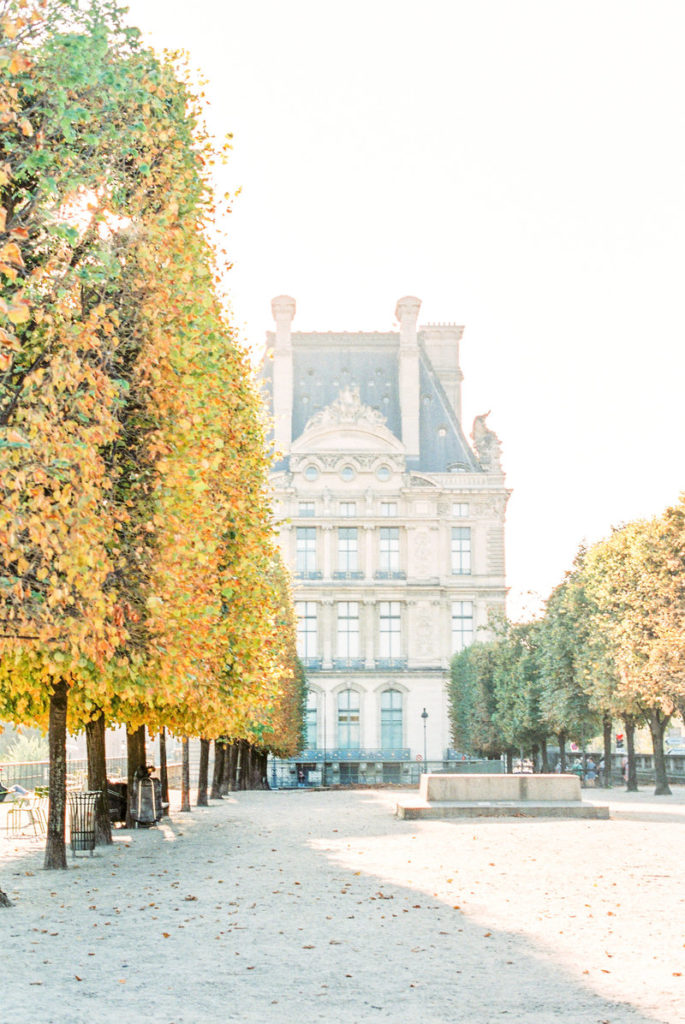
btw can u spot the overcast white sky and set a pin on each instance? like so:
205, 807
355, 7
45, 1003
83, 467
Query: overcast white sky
519, 166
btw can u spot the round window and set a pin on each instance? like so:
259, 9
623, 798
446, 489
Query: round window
311, 473
347, 473
383, 473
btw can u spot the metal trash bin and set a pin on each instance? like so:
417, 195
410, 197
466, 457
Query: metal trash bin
146, 805
82, 820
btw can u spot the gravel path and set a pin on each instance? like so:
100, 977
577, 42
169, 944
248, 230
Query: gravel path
311, 906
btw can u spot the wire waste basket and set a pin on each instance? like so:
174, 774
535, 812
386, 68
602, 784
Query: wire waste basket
82, 820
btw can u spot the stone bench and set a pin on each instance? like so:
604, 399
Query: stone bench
451, 796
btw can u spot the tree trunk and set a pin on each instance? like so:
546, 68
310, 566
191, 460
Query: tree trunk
631, 779
228, 776
545, 759
135, 759
254, 777
163, 773
202, 800
55, 848
264, 769
562, 751
5, 901
97, 777
535, 752
509, 761
607, 727
185, 776
217, 775
658, 721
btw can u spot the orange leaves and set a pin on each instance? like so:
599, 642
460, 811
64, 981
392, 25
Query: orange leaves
11, 253
19, 313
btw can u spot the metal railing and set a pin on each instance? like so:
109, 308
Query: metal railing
30, 774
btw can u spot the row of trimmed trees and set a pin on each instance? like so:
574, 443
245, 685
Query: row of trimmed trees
610, 646
139, 581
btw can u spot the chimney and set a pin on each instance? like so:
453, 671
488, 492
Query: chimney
407, 312
441, 345
283, 312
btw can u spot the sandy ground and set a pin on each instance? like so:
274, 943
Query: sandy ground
310, 906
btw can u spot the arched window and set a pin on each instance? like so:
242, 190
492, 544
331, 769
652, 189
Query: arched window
391, 720
348, 719
311, 721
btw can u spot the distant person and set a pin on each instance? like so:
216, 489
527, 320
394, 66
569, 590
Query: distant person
590, 771
601, 771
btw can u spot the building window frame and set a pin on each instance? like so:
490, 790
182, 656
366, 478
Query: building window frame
391, 718
348, 549
461, 551
462, 625
389, 630
348, 719
389, 549
305, 547
311, 721
348, 630
307, 630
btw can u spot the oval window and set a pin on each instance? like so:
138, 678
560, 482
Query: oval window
347, 473
311, 473
383, 473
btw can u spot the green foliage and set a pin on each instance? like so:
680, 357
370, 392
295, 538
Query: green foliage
472, 704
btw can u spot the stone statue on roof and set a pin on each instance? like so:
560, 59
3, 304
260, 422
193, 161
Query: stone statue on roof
487, 444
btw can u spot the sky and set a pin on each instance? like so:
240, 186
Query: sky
516, 164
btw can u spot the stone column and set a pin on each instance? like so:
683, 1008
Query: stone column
327, 629
369, 632
327, 537
283, 310
407, 312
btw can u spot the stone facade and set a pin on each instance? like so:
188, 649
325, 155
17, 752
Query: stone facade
393, 526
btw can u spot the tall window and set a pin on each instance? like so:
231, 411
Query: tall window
388, 508
348, 629
348, 508
461, 550
391, 719
311, 721
389, 646
348, 719
306, 629
348, 560
306, 549
389, 554
462, 624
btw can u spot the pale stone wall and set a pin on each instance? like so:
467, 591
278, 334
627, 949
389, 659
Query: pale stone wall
348, 438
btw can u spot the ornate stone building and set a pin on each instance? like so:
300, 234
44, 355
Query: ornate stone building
393, 526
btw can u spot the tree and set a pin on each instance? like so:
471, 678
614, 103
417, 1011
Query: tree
638, 583
472, 704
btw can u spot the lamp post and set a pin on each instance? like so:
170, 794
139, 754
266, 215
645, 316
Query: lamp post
424, 716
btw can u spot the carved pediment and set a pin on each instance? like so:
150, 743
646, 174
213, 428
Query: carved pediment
347, 425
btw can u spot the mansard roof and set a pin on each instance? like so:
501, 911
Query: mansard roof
325, 364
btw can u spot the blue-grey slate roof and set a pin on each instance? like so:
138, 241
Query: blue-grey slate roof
325, 363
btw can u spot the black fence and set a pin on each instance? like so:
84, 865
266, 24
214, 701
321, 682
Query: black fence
304, 774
